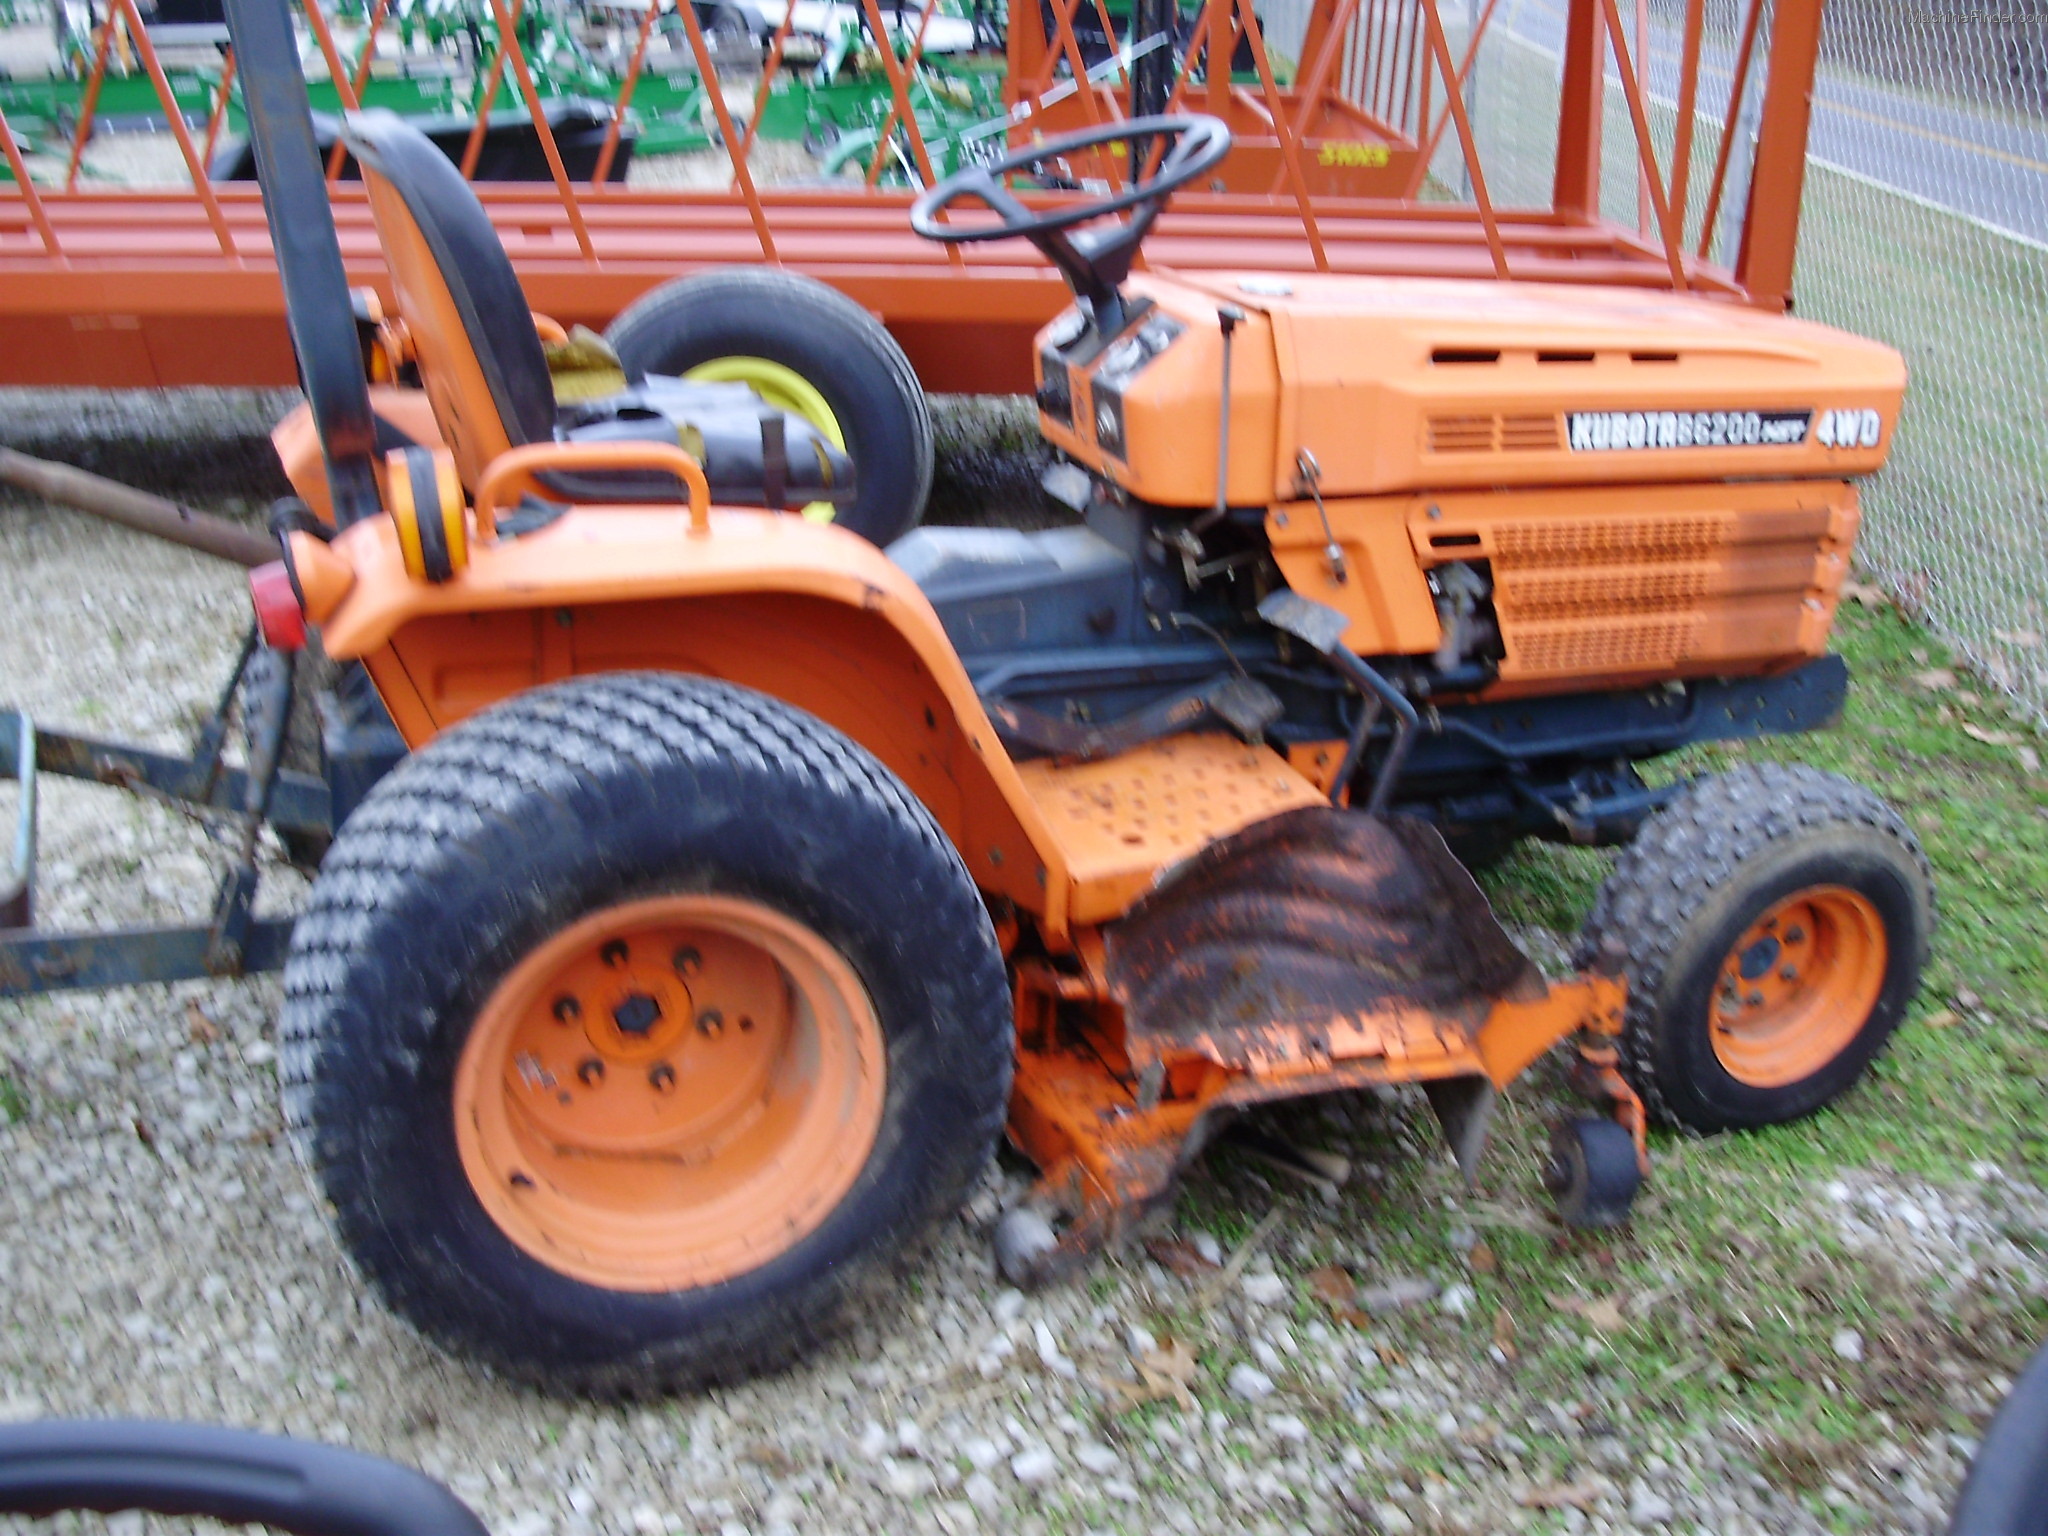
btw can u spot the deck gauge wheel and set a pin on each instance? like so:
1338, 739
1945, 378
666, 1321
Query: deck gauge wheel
1593, 1174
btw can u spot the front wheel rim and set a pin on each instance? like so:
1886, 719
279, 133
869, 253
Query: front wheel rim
670, 1092
1798, 987
785, 389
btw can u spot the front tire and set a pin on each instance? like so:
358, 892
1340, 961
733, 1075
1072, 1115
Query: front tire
806, 348
603, 1036
1772, 923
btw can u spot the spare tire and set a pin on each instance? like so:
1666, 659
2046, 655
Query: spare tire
806, 348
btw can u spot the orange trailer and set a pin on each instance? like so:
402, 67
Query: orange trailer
178, 285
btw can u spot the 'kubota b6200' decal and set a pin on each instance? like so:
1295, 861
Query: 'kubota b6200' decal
1602, 431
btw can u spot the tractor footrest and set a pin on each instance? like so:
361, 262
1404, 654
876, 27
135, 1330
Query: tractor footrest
1120, 821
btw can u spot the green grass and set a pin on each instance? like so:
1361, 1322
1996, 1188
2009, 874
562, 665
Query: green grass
1734, 1281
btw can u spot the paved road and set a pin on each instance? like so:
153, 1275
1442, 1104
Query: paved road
1991, 168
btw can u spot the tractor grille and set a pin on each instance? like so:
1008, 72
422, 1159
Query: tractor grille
1581, 648
1461, 434
1571, 543
1489, 434
1587, 586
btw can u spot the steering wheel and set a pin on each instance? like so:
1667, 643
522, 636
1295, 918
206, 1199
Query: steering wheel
1097, 261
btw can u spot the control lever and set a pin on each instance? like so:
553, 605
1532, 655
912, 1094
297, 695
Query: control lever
1228, 317
1188, 540
1322, 628
1309, 475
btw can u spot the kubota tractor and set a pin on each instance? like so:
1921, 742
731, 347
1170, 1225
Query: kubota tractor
745, 882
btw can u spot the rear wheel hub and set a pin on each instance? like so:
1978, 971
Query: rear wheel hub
614, 1137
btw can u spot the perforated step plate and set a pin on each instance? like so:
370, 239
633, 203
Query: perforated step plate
1125, 820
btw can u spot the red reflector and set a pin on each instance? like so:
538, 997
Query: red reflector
278, 615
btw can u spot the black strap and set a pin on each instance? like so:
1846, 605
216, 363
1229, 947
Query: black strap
1246, 706
435, 560
774, 462
318, 307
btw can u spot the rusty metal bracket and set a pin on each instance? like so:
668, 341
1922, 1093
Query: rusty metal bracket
1596, 1073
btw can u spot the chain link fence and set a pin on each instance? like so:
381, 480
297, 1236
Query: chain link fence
1925, 224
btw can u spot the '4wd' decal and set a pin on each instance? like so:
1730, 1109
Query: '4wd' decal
1605, 431
1849, 429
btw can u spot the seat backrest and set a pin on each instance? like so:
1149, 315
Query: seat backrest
472, 332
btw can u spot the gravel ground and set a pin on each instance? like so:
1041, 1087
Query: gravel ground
162, 1254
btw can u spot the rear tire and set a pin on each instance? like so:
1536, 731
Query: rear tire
1772, 923
424, 1007
736, 314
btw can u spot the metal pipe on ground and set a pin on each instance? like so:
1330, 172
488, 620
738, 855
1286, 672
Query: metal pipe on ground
123, 504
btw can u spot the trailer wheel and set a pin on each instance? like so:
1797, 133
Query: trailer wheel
804, 348
1772, 923
604, 1038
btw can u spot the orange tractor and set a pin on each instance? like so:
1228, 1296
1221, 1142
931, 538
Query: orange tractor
744, 881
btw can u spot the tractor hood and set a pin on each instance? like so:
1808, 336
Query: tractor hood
1403, 384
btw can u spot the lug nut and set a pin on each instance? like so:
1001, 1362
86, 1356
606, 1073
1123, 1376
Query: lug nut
661, 1077
591, 1072
1789, 973
613, 953
1756, 999
567, 1010
1795, 935
687, 961
710, 1023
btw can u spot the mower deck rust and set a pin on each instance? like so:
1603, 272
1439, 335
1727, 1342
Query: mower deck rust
1315, 949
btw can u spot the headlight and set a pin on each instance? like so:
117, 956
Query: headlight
1065, 328
1055, 390
1109, 418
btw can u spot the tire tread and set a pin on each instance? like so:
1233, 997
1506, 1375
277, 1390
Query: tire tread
1688, 851
408, 835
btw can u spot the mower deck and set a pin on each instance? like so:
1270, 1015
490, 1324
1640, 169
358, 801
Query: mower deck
1311, 950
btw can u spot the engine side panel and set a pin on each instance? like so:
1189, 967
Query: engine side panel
1600, 587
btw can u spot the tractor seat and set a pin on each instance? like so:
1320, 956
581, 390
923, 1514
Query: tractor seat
487, 377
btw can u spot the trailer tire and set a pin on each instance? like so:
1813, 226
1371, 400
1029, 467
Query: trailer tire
1772, 923
678, 858
807, 348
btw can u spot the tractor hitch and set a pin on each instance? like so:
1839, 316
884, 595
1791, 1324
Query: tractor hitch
233, 941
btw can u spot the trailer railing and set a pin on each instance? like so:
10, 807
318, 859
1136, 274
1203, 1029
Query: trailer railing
162, 285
